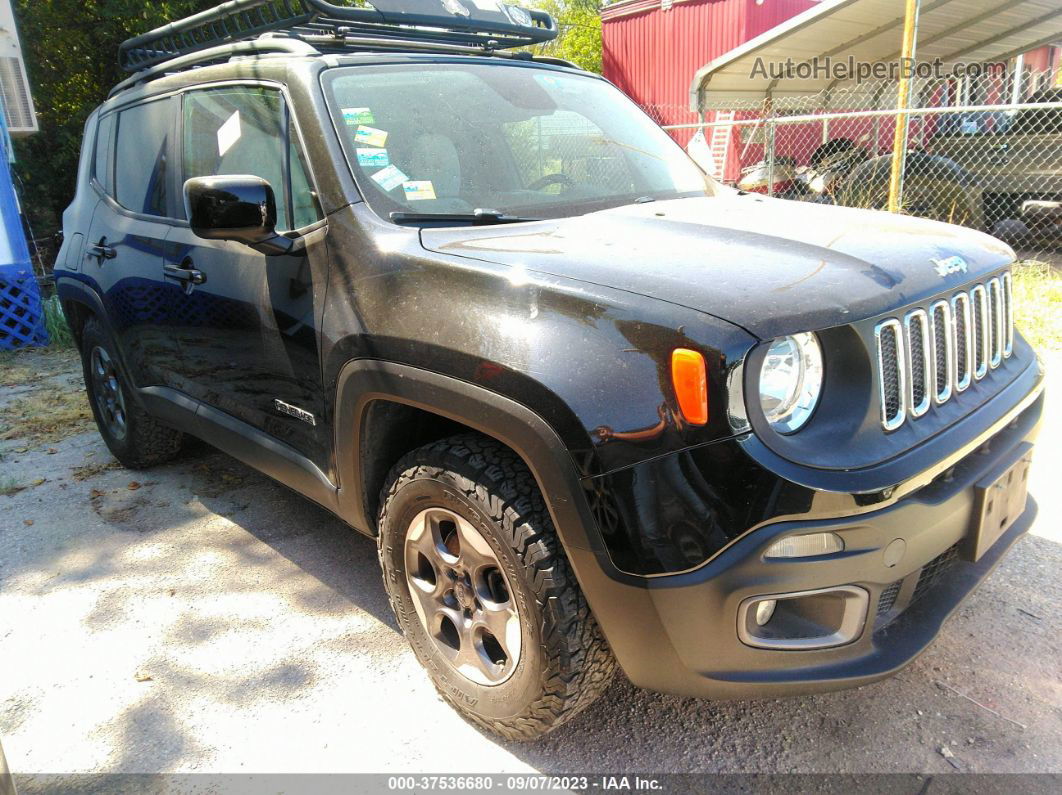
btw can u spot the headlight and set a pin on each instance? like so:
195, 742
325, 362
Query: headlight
791, 381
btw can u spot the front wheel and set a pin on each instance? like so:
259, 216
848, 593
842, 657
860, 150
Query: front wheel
483, 590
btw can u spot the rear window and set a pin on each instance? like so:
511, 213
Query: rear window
141, 174
104, 165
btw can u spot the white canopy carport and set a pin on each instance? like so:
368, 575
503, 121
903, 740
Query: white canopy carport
871, 31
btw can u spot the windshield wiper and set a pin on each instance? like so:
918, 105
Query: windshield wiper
476, 218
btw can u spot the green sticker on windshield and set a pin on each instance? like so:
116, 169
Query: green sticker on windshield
356, 116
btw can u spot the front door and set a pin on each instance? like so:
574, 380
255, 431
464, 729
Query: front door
246, 322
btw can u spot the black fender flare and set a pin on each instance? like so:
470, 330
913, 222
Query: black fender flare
362, 381
621, 603
73, 289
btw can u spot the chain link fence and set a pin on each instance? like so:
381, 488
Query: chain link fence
985, 153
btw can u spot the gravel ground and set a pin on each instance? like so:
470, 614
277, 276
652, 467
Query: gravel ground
200, 618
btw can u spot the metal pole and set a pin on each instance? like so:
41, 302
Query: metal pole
815, 118
770, 157
899, 143
1019, 74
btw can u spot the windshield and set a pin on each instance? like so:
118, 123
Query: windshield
520, 140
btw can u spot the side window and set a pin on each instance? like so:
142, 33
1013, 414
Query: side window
305, 208
104, 166
245, 130
141, 173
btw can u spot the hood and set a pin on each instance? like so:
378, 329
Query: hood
771, 266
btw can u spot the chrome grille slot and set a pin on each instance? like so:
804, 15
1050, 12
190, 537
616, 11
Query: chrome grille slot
995, 323
938, 352
960, 307
919, 362
979, 300
1008, 315
943, 333
891, 376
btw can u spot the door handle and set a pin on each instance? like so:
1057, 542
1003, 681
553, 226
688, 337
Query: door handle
185, 273
101, 251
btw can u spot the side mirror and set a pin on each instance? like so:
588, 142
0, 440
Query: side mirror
239, 208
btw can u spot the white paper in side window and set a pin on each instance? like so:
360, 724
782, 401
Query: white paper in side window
390, 178
229, 133
419, 190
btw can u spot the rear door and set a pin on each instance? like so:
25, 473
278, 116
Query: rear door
124, 245
247, 333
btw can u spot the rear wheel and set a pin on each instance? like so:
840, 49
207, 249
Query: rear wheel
483, 591
135, 438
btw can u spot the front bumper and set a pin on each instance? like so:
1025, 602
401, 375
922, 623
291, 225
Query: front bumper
679, 633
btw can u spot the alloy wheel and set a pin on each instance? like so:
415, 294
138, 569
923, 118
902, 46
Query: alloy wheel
462, 596
107, 390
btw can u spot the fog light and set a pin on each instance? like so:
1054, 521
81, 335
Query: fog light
764, 611
806, 546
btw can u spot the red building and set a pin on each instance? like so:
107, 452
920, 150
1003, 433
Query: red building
653, 48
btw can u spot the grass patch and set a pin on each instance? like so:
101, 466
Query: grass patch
27, 366
9, 487
1038, 305
46, 417
54, 320
42, 398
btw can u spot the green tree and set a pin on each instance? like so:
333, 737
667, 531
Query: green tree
71, 50
579, 39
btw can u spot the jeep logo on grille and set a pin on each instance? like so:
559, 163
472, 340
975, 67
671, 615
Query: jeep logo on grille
950, 265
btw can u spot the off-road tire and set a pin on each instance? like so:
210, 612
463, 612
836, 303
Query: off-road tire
147, 442
565, 663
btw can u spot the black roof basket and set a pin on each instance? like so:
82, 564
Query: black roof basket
491, 24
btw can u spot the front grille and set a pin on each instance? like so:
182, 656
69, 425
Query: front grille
931, 356
933, 571
891, 607
888, 598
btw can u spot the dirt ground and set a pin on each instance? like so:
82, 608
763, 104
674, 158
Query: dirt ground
200, 618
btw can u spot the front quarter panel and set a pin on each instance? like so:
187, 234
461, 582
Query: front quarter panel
594, 362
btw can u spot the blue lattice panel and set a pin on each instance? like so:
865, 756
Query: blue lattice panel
21, 311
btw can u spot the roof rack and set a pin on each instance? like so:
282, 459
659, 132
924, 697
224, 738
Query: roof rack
224, 52
486, 24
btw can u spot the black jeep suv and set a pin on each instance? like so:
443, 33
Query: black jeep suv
595, 408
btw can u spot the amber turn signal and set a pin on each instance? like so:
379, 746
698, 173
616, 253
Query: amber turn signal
690, 378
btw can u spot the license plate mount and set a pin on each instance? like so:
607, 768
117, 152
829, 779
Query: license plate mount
1000, 500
